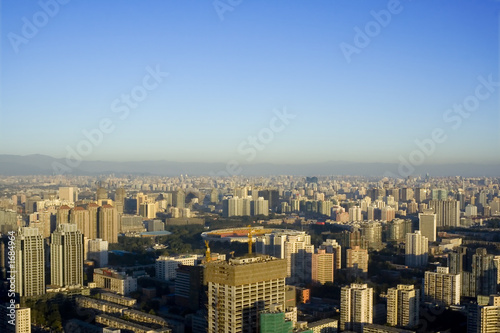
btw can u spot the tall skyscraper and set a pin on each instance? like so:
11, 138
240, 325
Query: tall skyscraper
66, 256
108, 224
442, 286
120, 195
98, 251
356, 307
178, 199
427, 223
416, 249
331, 246
355, 214
447, 212
240, 289
30, 262
260, 207
93, 209
62, 215
403, 306
482, 280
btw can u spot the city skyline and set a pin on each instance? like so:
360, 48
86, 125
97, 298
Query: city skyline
346, 74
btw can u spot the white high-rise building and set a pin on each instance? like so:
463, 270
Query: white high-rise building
261, 207
416, 249
356, 307
427, 224
66, 256
470, 210
355, 214
69, 194
30, 262
403, 306
292, 245
447, 212
98, 251
166, 266
442, 287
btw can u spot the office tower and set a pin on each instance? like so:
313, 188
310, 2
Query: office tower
406, 194
66, 256
147, 210
484, 316
242, 288
107, 223
30, 262
442, 287
322, 267
439, 194
81, 217
260, 207
331, 246
447, 212
120, 196
98, 252
293, 246
179, 199
102, 194
166, 266
416, 249
470, 210
420, 194
62, 215
427, 225
403, 306
356, 307
69, 194
357, 259
355, 214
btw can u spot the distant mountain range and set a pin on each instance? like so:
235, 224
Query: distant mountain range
15, 165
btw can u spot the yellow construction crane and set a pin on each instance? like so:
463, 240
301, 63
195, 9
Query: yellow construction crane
208, 256
250, 239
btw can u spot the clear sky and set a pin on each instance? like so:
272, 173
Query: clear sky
231, 67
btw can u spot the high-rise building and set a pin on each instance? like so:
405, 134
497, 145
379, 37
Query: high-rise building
355, 214
356, 307
242, 288
372, 233
30, 262
331, 246
22, 321
102, 193
322, 267
166, 266
483, 278
293, 246
98, 252
470, 210
62, 215
357, 259
403, 306
108, 224
260, 207
93, 209
120, 195
416, 250
147, 210
427, 224
397, 230
447, 212
484, 316
179, 199
81, 217
406, 194
420, 194
66, 256
69, 194
442, 287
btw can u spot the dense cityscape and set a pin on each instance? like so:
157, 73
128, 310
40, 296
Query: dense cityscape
251, 254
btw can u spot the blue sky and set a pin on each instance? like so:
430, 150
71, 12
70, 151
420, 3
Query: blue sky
225, 78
